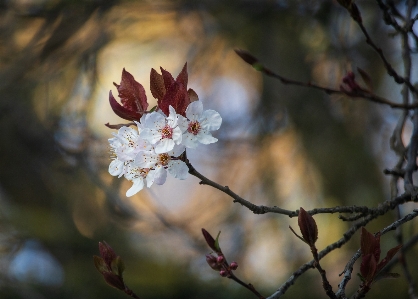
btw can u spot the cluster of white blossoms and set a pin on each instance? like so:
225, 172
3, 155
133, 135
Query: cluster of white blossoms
144, 154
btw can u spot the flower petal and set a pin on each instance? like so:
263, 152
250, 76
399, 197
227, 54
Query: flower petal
194, 110
189, 140
136, 187
151, 135
178, 169
150, 178
116, 167
172, 117
211, 120
155, 120
160, 175
146, 159
176, 135
182, 123
177, 150
206, 138
164, 145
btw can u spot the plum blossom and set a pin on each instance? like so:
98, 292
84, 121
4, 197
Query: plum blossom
161, 162
200, 124
126, 144
139, 177
163, 132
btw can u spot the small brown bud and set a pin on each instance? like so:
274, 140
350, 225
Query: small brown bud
307, 227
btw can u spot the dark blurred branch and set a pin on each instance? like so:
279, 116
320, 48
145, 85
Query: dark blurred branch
247, 286
390, 70
352, 94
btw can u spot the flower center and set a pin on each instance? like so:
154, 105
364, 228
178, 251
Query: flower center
194, 127
167, 132
144, 172
163, 159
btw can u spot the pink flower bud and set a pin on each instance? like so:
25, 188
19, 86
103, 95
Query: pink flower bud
212, 262
223, 273
233, 265
220, 259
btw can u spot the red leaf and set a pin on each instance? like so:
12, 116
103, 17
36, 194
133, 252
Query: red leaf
132, 94
368, 267
183, 77
370, 244
167, 77
122, 111
389, 255
158, 89
307, 227
246, 56
209, 240
177, 97
192, 95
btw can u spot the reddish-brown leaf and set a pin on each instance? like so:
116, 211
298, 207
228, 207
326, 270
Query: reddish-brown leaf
209, 239
389, 255
158, 89
307, 227
246, 56
168, 78
192, 95
122, 111
368, 267
370, 244
183, 77
132, 94
177, 97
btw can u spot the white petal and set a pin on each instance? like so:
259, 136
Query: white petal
194, 110
160, 175
116, 167
182, 123
176, 135
211, 120
146, 159
177, 150
172, 118
151, 135
128, 133
178, 169
155, 120
206, 138
150, 178
136, 187
189, 140
164, 145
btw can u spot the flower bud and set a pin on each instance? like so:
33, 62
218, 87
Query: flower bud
212, 262
233, 265
107, 253
223, 273
220, 259
307, 227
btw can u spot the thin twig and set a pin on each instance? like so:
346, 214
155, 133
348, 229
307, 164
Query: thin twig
247, 286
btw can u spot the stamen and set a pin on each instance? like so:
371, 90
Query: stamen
194, 127
167, 132
163, 159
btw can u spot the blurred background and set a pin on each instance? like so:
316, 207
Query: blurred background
278, 145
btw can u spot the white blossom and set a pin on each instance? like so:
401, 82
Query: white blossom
200, 124
163, 162
163, 132
126, 144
